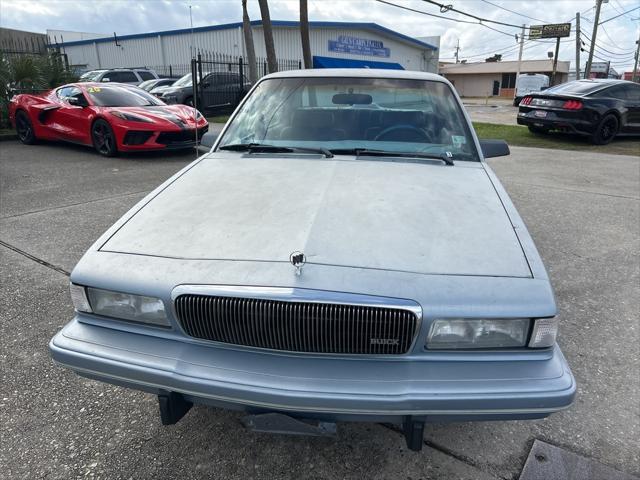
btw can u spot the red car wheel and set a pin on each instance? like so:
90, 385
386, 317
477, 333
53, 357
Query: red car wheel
104, 140
24, 128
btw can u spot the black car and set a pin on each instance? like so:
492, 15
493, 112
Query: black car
599, 109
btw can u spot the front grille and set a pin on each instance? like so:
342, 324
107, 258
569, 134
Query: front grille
297, 326
136, 137
183, 136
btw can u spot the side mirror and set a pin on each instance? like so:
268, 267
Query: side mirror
106, 79
494, 148
207, 141
78, 102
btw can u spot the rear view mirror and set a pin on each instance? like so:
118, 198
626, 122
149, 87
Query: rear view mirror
207, 141
352, 99
494, 148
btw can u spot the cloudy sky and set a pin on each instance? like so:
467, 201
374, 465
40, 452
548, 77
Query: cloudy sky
616, 37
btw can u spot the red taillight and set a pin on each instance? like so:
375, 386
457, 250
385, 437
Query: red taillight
572, 105
526, 101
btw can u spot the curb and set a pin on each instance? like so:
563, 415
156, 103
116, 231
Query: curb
8, 136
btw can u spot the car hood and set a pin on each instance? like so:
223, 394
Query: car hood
413, 217
180, 115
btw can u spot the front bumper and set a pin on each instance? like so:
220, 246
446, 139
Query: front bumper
319, 386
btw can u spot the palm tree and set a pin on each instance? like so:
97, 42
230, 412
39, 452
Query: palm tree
248, 40
304, 33
272, 62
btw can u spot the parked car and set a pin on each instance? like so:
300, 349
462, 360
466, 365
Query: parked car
111, 117
184, 83
218, 91
119, 75
149, 85
343, 253
600, 109
527, 83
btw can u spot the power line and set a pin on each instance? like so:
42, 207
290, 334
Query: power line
628, 52
449, 8
445, 18
426, 13
513, 11
619, 15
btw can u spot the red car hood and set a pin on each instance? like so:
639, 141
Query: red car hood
179, 115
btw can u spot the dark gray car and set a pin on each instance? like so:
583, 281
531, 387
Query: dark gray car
218, 91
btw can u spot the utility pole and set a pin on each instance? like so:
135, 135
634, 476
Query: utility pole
587, 70
457, 50
634, 75
515, 90
578, 45
555, 61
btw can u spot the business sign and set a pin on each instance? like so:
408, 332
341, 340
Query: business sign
600, 67
553, 30
359, 46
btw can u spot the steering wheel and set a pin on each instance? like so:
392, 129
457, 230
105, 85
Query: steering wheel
415, 134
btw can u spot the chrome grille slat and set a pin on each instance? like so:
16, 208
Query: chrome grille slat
297, 326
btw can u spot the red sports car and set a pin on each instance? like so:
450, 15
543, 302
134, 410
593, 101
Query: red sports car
112, 118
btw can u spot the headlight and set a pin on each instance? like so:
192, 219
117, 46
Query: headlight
137, 308
131, 117
472, 333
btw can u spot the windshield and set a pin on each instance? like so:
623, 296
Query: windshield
148, 84
183, 82
92, 75
117, 96
396, 115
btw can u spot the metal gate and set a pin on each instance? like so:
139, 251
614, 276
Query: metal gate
220, 81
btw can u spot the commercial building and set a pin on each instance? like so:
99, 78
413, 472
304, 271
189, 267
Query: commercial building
333, 44
491, 79
20, 42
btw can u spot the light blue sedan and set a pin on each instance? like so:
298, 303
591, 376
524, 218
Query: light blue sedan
343, 253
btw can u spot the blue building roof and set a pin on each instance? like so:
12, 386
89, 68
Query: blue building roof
372, 27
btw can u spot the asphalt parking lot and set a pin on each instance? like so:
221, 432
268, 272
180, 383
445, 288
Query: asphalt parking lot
582, 209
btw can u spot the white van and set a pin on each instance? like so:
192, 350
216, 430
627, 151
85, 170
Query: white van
529, 83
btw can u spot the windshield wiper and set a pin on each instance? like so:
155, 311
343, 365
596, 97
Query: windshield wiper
446, 157
265, 148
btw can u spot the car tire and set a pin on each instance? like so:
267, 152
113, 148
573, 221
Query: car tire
104, 140
24, 128
606, 130
538, 130
188, 101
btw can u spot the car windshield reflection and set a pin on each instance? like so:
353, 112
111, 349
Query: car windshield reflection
342, 114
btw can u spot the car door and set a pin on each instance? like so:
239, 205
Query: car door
71, 122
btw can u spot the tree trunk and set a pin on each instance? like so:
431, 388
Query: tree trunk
248, 41
304, 33
268, 36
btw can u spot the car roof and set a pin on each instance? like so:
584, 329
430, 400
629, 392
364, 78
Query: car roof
359, 73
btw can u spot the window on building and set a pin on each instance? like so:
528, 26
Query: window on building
508, 80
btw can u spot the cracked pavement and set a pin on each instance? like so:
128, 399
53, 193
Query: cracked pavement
582, 209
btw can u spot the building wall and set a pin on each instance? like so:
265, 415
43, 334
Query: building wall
480, 85
175, 49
